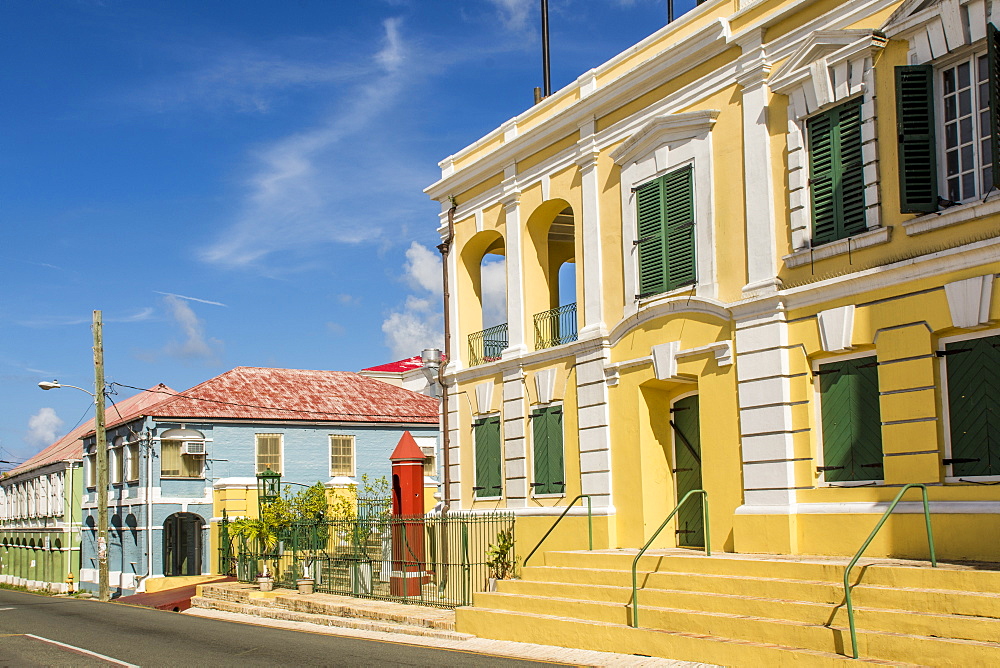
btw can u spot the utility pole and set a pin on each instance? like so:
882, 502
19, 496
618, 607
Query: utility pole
102, 461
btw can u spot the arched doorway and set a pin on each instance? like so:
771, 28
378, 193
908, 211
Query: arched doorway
182, 544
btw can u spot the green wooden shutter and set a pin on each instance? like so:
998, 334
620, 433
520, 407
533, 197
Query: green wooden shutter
652, 259
918, 176
488, 457
852, 426
836, 173
678, 208
547, 441
993, 56
974, 405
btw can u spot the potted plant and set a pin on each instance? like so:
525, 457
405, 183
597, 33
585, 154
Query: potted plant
261, 535
500, 558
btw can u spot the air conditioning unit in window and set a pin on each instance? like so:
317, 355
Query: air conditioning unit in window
193, 448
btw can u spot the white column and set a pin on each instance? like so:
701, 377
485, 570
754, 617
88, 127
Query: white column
515, 276
591, 262
515, 442
758, 187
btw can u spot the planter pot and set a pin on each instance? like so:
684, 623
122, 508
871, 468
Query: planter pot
305, 585
491, 584
265, 584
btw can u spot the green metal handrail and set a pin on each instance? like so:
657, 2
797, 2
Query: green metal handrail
590, 526
871, 537
635, 562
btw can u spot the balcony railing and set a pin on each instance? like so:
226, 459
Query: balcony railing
487, 345
555, 327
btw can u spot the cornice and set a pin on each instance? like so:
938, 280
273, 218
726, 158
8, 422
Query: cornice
665, 129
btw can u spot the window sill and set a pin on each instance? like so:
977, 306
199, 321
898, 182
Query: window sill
851, 483
955, 215
178, 477
487, 498
972, 480
879, 235
553, 495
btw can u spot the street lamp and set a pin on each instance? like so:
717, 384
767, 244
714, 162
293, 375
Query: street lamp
104, 590
268, 487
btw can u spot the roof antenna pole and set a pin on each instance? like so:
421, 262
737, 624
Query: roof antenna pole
670, 11
546, 78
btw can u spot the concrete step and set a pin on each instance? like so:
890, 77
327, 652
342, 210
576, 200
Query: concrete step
331, 605
884, 644
361, 623
965, 625
606, 636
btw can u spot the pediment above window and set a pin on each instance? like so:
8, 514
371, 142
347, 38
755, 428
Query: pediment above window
666, 129
935, 28
829, 68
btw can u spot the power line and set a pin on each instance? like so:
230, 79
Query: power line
274, 408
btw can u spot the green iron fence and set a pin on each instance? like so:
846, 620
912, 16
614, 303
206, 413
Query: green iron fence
426, 560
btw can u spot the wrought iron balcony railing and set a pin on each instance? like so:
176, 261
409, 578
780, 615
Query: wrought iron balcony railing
555, 327
487, 345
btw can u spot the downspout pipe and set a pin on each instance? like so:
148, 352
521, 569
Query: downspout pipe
445, 248
546, 74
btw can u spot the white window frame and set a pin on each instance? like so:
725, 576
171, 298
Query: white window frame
429, 446
200, 459
281, 451
663, 145
946, 413
972, 56
354, 455
818, 422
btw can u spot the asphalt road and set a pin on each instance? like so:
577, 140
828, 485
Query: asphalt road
46, 631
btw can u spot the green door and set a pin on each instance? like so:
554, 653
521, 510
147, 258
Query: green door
687, 470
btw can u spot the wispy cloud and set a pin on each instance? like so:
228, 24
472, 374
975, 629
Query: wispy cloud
194, 344
190, 299
43, 427
296, 198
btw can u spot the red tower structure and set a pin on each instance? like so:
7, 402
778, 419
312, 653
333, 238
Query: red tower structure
408, 573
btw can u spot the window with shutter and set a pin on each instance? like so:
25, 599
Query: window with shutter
852, 425
489, 457
973, 372
915, 130
836, 173
547, 450
665, 212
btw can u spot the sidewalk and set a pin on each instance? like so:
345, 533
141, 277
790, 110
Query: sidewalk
384, 621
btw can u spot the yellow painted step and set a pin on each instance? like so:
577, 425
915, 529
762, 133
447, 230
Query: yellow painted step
883, 645
974, 622
983, 577
550, 629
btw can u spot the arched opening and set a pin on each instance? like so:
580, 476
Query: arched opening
551, 279
182, 544
483, 313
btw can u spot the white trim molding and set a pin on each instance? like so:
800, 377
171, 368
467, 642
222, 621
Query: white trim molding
969, 300
665, 356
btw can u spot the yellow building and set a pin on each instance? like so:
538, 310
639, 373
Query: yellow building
780, 224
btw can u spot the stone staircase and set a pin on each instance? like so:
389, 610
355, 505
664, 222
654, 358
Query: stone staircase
733, 609
329, 610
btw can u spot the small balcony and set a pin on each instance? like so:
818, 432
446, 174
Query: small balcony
555, 326
487, 345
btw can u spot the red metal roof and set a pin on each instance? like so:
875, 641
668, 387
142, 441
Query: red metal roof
402, 366
70, 446
253, 393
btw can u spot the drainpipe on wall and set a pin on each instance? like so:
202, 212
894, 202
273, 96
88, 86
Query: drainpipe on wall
139, 579
445, 247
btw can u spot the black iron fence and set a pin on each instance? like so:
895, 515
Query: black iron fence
426, 560
487, 345
555, 327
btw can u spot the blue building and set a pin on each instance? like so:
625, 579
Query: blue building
174, 468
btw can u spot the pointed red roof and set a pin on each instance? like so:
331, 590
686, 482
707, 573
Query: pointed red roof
406, 449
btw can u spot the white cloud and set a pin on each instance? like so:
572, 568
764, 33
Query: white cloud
494, 287
194, 345
43, 427
514, 13
419, 323
304, 192
423, 268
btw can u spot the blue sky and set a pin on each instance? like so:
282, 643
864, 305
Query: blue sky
239, 183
